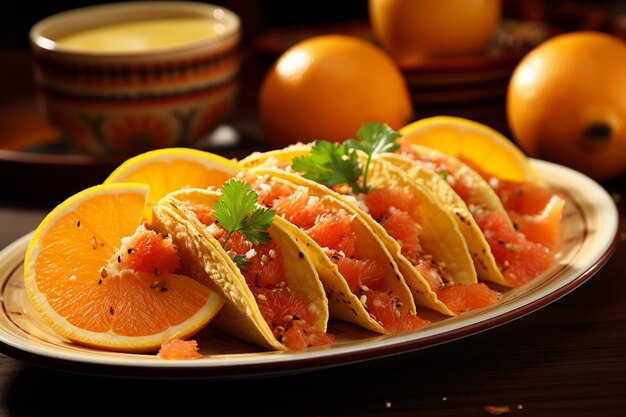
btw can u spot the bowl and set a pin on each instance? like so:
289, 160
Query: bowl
124, 78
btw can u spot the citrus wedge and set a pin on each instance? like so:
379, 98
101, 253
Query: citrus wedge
75, 276
170, 169
472, 142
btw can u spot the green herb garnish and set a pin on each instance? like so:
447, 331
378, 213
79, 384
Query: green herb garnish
443, 173
332, 163
237, 211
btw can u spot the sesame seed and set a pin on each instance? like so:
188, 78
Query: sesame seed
388, 404
103, 272
272, 253
287, 318
363, 299
262, 297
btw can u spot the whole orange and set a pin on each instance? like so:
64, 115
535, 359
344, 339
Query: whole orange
326, 86
413, 30
566, 102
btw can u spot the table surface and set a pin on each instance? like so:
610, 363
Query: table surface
567, 359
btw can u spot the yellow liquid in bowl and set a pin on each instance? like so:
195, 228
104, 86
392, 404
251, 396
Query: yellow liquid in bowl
142, 35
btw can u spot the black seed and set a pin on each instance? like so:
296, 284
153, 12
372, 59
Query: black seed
111, 311
301, 255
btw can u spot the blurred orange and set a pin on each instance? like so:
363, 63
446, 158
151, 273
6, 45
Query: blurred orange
326, 86
566, 103
413, 30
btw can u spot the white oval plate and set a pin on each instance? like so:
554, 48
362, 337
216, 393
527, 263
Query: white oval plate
590, 232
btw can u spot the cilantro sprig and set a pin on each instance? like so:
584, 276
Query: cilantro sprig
237, 211
332, 163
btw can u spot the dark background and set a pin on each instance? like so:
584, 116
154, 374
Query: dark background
256, 15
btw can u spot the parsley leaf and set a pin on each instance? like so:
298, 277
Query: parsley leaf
241, 261
237, 211
375, 138
329, 164
332, 163
443, 173
253, 228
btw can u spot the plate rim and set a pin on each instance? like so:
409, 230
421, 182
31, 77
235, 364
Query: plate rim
276, 363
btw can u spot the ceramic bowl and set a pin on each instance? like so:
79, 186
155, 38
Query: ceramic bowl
125, 100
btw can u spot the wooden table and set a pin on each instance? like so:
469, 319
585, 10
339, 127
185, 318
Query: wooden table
567, 359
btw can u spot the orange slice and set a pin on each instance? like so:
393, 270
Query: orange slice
475, 142
73, 277
170, 169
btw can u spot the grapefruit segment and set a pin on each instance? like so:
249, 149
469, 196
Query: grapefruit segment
519, 259
179, 349
544, 227
462, 298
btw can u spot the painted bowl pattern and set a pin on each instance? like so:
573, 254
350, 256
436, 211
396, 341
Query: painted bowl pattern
127, 103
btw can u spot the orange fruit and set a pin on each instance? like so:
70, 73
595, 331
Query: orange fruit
473, 142
75, 274
566, 103
414, 30
327, 86
170, 169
